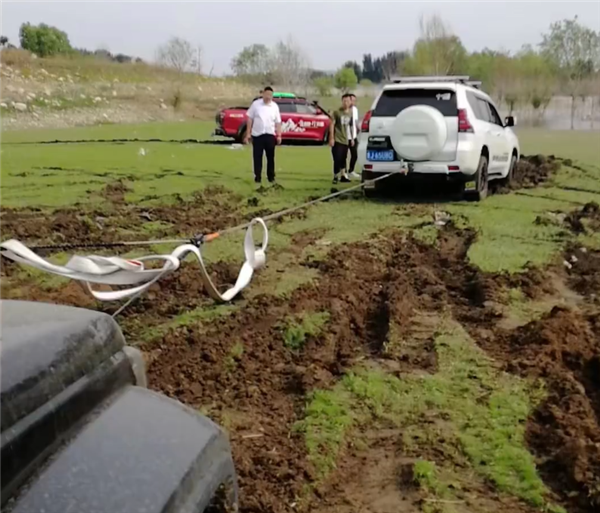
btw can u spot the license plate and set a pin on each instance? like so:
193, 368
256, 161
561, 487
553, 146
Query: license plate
380, 156
470, 186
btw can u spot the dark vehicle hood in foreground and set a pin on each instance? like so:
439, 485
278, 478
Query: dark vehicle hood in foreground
142, 453
46, 348
77, 435
58, 364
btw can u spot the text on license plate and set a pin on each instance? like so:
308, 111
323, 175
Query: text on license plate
386, 156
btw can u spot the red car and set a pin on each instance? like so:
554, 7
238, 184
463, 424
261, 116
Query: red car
301, 120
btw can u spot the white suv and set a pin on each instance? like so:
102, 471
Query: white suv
437, 126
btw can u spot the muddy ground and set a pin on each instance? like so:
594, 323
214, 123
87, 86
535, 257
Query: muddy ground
214, 208
259, 392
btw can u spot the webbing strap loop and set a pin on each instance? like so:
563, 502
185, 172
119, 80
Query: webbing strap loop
120, 271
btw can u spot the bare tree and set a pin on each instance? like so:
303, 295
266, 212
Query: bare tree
179, 54
438, 51
289, 64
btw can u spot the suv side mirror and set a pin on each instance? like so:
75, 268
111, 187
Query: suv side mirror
510, 121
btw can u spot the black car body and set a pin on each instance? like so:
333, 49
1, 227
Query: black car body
81, 432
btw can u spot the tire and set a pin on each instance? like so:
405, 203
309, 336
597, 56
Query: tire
239, 138
371, 193
481, 182
508, 179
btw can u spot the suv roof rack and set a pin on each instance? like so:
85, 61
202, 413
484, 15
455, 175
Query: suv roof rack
461, 79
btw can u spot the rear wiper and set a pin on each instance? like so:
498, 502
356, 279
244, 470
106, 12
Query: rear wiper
316, 104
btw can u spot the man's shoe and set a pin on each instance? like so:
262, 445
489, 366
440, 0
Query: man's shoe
354, 176
345, 179
275, 185
336, 179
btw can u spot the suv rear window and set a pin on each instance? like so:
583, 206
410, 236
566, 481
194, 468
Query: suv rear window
286, 107
394, 101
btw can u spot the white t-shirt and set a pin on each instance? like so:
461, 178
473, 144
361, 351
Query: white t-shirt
264, 117
355, 120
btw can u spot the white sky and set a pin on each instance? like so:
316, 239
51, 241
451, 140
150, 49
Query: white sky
330, 32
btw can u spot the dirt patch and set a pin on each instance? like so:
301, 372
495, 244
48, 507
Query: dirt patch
116, 191
583, 271
563, 348
209, 210
260, 396
302, 239
531, 171
377, 298
588, 214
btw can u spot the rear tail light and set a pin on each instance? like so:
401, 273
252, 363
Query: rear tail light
364, 127
464, 125
453, 168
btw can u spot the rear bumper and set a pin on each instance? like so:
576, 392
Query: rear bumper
425, 168
426, 179
466, 162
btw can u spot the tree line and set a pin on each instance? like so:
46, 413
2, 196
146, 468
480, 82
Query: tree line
566, 61
47, 41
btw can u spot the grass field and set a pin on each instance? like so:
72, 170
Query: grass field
363, 344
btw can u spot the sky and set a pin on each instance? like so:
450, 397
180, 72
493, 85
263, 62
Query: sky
330, 33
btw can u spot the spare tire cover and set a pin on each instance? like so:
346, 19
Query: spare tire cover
419, 132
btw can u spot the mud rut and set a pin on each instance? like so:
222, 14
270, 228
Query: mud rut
394, 279
366, 287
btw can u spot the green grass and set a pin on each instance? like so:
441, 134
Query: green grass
480, 414
479, 411
198, 316
508, 239
235, 355
63, 103
296, 329
431, 479
328, 416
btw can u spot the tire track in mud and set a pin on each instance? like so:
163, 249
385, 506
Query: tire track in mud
368, 289
124, 141
212, 209
371, 291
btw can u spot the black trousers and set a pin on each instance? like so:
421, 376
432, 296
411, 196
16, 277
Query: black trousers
353, 156
264, 143
340, 156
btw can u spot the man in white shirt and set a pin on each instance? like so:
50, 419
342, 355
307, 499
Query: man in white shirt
354, 147
264, 126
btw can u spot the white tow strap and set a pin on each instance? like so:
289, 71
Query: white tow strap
121, 271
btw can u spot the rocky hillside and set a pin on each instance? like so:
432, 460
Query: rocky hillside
55, 93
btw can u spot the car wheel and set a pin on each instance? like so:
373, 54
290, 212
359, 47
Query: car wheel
239, 138
371, 192
508, 179
481, 182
